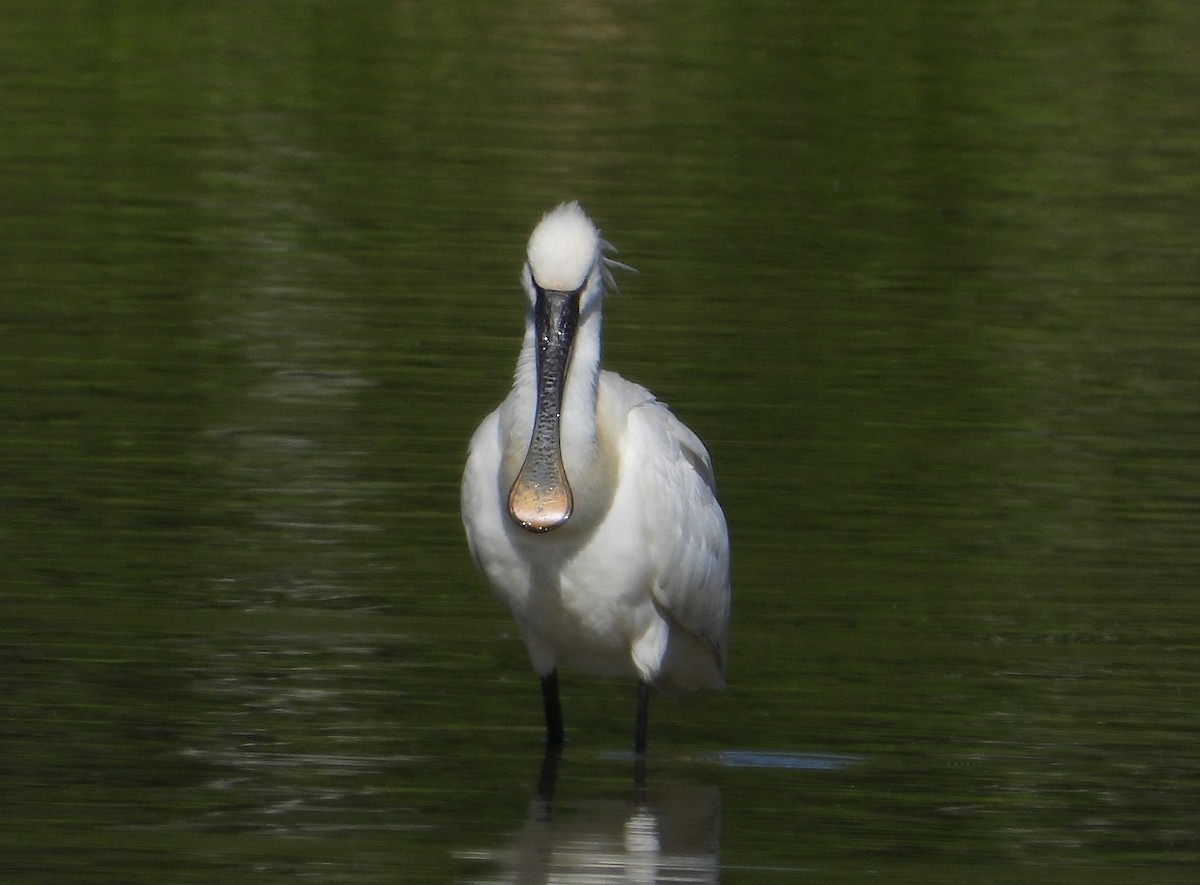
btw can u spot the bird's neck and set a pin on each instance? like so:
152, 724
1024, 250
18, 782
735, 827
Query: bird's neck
583, 379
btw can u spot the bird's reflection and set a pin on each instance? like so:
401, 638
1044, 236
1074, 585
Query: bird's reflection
667, 833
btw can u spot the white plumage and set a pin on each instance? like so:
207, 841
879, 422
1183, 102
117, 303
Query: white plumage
589, 507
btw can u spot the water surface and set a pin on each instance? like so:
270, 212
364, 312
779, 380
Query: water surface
923, 280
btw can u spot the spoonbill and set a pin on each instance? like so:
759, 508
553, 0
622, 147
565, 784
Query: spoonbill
588, 506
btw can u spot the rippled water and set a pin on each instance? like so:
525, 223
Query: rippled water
924, 280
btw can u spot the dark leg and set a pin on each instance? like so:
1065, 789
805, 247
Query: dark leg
554, 724
643, 714
548, 777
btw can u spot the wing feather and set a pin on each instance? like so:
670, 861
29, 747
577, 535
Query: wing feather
684, 523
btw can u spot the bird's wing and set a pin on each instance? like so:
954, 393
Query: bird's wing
683, 522
481, 453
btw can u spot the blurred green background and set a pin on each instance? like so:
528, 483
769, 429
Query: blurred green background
923, 276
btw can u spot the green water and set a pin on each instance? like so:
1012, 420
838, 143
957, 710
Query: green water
923, 276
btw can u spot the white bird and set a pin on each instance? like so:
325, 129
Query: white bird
591, 509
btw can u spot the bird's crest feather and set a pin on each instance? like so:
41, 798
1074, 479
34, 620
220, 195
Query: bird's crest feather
565, 247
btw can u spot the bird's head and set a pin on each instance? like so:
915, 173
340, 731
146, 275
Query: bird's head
566, 254
565, 276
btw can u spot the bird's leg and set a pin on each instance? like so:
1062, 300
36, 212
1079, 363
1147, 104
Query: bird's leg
555, 737
643, 714
548, 777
